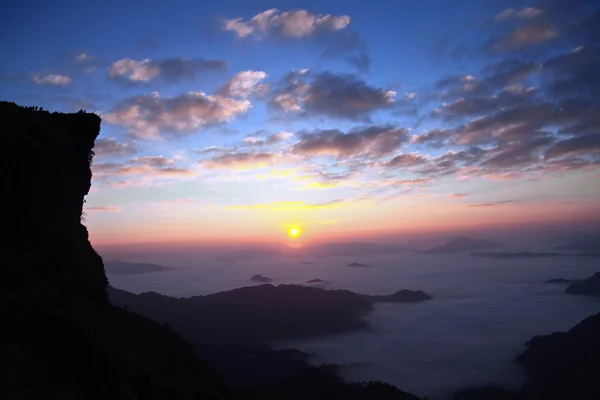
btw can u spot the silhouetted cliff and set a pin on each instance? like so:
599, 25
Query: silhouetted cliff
45, 177
60, 337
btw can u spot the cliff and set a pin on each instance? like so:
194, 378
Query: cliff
45, 177
60, 336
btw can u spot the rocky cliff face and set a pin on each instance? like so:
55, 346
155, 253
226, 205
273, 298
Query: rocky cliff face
60, 337
45, 177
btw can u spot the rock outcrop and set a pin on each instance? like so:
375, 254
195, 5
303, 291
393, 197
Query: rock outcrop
60, 336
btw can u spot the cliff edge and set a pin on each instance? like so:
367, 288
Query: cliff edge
60, 337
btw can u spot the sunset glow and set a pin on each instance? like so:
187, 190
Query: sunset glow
234, 135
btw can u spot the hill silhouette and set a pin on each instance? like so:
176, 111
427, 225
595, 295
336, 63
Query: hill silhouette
587, 287
127, 268
592, 246
459, 245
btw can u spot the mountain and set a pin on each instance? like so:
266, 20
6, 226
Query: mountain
461, 244
591, 246
60, 336
561, 280
402, 296
529, 254
587, 287
260, 278
230, 329
126, 268
354, 248
573, 237
358, 265
564, 365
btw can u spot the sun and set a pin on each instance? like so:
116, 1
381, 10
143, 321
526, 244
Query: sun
294, 232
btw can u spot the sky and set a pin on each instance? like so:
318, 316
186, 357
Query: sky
238, 121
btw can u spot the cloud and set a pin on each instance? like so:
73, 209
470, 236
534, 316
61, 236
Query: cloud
518, 153
525, 13
103, 209
153, 161
111, 147
84, 58
406, 160
287, 206
243, 84
373, 141
509, 97
294, 24
144, 168
574, 73
151, 171
51, 79
275, 138
576, 146
328, 32
509, 72
149, 116
496, 203
457, 195
239, 161
338, 96
170, 69
526, 36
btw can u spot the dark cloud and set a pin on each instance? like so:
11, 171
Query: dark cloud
111, 147
576, 146
105, 170
406, 160
509, 72
574, 74
464, 107
338, 96
374, 141
132, 71
239, 160
434, 137
361, 61
517, 154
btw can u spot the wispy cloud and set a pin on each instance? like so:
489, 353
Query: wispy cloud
287, 206
103, 209
51, 79
496, 203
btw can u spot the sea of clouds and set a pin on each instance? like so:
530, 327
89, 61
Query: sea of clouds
482, 313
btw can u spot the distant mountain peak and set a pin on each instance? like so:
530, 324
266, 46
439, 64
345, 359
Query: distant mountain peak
460, 244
